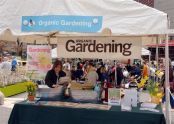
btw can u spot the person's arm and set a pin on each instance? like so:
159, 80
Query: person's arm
62, 74
97, 76
144, 71
49, 80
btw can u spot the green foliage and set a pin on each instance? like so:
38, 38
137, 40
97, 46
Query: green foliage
153, 88
31, 74
14, 89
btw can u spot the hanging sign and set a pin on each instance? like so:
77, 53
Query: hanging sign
120, 48
69, 23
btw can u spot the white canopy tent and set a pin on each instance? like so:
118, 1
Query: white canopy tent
134, 19
145, 52
123, 17
54, 53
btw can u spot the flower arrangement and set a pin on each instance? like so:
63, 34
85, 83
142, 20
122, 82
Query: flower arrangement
155, 91
31, 90
143, 82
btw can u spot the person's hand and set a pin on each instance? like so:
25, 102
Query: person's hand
54, 86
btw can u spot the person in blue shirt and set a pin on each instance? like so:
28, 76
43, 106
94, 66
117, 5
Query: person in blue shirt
14, 64
136, 70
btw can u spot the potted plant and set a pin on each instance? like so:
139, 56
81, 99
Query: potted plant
155, 91
31, 90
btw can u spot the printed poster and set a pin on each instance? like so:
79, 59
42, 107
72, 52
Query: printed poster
38, 61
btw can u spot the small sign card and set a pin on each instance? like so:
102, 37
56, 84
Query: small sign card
144, 97
131, 97
114, 96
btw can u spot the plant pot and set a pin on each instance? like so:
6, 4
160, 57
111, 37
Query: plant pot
155, 99
31, 97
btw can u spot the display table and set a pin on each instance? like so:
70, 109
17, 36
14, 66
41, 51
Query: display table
29, 113
34, 114
42, 112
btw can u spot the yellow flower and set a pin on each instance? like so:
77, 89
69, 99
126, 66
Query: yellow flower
157, 84
31, 88
157, 72
153, 88
156, 89
160, 95
143, 81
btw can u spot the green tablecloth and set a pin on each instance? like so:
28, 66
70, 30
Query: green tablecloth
24, 113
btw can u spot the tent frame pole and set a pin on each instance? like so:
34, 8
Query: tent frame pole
167, 86
115, 83
157, 52
150, 58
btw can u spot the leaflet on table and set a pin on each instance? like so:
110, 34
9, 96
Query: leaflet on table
125, 107
150, 109
114, 96
77, 105
148, 105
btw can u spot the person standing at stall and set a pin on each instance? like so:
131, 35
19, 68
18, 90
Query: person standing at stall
54, 74
145, 72
91, 77
13, 64
119, 75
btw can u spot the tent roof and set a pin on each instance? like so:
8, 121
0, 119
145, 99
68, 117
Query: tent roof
123, 17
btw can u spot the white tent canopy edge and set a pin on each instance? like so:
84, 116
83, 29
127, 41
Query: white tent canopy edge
134, 19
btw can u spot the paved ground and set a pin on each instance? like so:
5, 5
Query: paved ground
171, 112
6, 109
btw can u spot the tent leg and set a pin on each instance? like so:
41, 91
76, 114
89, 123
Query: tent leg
157, 53
167, 86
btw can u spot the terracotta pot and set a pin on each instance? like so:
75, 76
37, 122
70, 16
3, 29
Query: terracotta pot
31, 97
